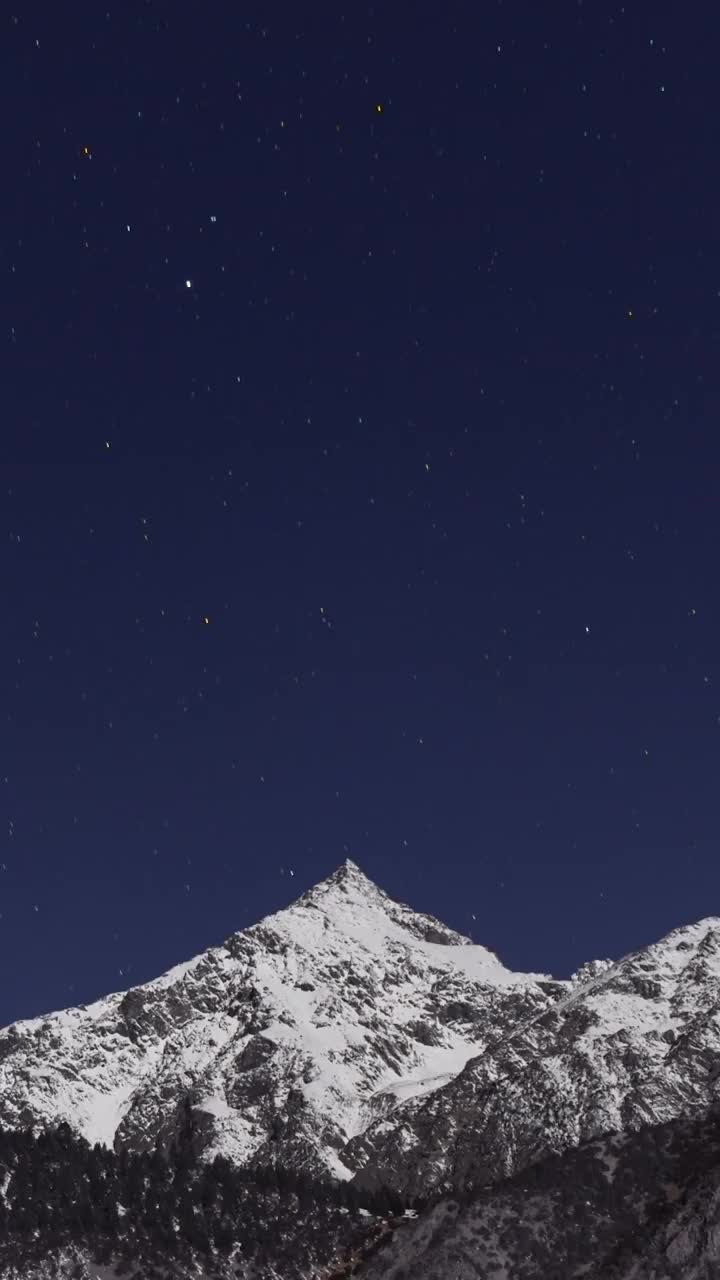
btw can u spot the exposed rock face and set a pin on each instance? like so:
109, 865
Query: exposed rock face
559, 1129
686, 1246
640, 1206
282, 1044
633, 1044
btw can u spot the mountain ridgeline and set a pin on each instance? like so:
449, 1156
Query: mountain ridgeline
350, 1087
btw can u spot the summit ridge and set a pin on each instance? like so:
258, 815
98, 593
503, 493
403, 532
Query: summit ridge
288, 1039
353, 1038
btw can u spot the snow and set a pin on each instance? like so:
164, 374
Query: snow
341, 977
361, 912
348, 917
451, 1059
104, 1111
216, 1105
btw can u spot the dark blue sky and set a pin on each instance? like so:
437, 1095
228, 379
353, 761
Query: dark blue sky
360, 474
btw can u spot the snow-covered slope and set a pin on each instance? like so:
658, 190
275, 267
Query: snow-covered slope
630, 1044
285, 1042
573, 1122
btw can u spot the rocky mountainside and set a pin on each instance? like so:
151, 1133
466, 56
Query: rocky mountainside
541, 1128
632, 1206
285, 1043
630, 1044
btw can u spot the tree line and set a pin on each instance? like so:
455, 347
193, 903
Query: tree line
59, 1191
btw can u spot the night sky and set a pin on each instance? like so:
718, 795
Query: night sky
360, 474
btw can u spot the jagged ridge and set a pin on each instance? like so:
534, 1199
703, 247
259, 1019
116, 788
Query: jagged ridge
637, 1042
349, 1035
287, 1041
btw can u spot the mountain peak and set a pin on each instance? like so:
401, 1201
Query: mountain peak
350, 873
346, 881
349, 870
354, 904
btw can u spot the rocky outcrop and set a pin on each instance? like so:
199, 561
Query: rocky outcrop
285, 1042
549, 1128
639, 1206
635, 1043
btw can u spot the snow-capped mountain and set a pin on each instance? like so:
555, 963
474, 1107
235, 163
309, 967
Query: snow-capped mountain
630, 1044
285, 1044
545, 1125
